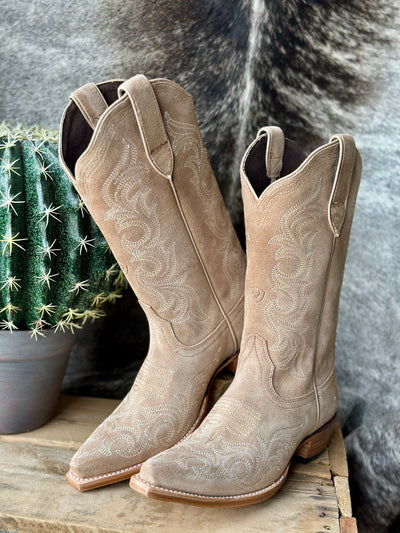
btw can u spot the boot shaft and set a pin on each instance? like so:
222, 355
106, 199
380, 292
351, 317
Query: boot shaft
298, 214
283, 398
135, 153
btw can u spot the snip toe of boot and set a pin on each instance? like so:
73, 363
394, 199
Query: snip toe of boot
159, 475
86, 473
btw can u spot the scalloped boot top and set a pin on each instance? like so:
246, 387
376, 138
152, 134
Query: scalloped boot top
283, 399
135, 154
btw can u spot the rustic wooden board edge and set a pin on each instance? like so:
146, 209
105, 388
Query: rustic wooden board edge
343, 495
337, 454
340, 478
348, 524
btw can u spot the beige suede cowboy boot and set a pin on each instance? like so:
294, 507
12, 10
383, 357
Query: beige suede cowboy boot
136, 156
283, 399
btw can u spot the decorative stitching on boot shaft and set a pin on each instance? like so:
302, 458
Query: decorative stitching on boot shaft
293, 281
133, 208
186, 139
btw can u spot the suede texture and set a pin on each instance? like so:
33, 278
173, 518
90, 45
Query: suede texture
144, 176
297, 231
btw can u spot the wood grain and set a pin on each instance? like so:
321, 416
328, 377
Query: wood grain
337, 453
343, 495
34, 495
340, 476
348, 525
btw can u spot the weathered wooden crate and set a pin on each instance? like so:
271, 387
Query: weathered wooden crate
34, 496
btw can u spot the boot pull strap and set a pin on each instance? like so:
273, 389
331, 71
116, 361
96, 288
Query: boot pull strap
90, 103
147, 112
274, 150
342, 181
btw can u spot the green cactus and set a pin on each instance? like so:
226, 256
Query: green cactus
56, 269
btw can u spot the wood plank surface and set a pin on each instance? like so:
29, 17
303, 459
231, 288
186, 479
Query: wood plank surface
348, 525
337, 452
340, 476
34, 496
343, 495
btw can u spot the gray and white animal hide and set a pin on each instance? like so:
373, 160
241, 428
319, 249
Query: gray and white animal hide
313, 67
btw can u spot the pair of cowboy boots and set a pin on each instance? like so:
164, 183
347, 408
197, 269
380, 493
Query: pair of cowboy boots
135, 154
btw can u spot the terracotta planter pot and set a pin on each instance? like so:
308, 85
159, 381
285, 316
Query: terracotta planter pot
31, 374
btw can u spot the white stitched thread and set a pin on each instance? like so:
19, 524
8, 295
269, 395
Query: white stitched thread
253, 458
235, 342
71, 475
129, 468
131, 205
295, 249
186, 139
317, 337
282, 477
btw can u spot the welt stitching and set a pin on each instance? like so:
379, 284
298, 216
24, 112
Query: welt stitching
217, 497
72, 475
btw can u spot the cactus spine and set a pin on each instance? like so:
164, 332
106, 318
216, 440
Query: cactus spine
56, 269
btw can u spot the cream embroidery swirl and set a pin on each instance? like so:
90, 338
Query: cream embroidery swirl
292, 281
186, 139
132, 205
256, 462
139, 428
